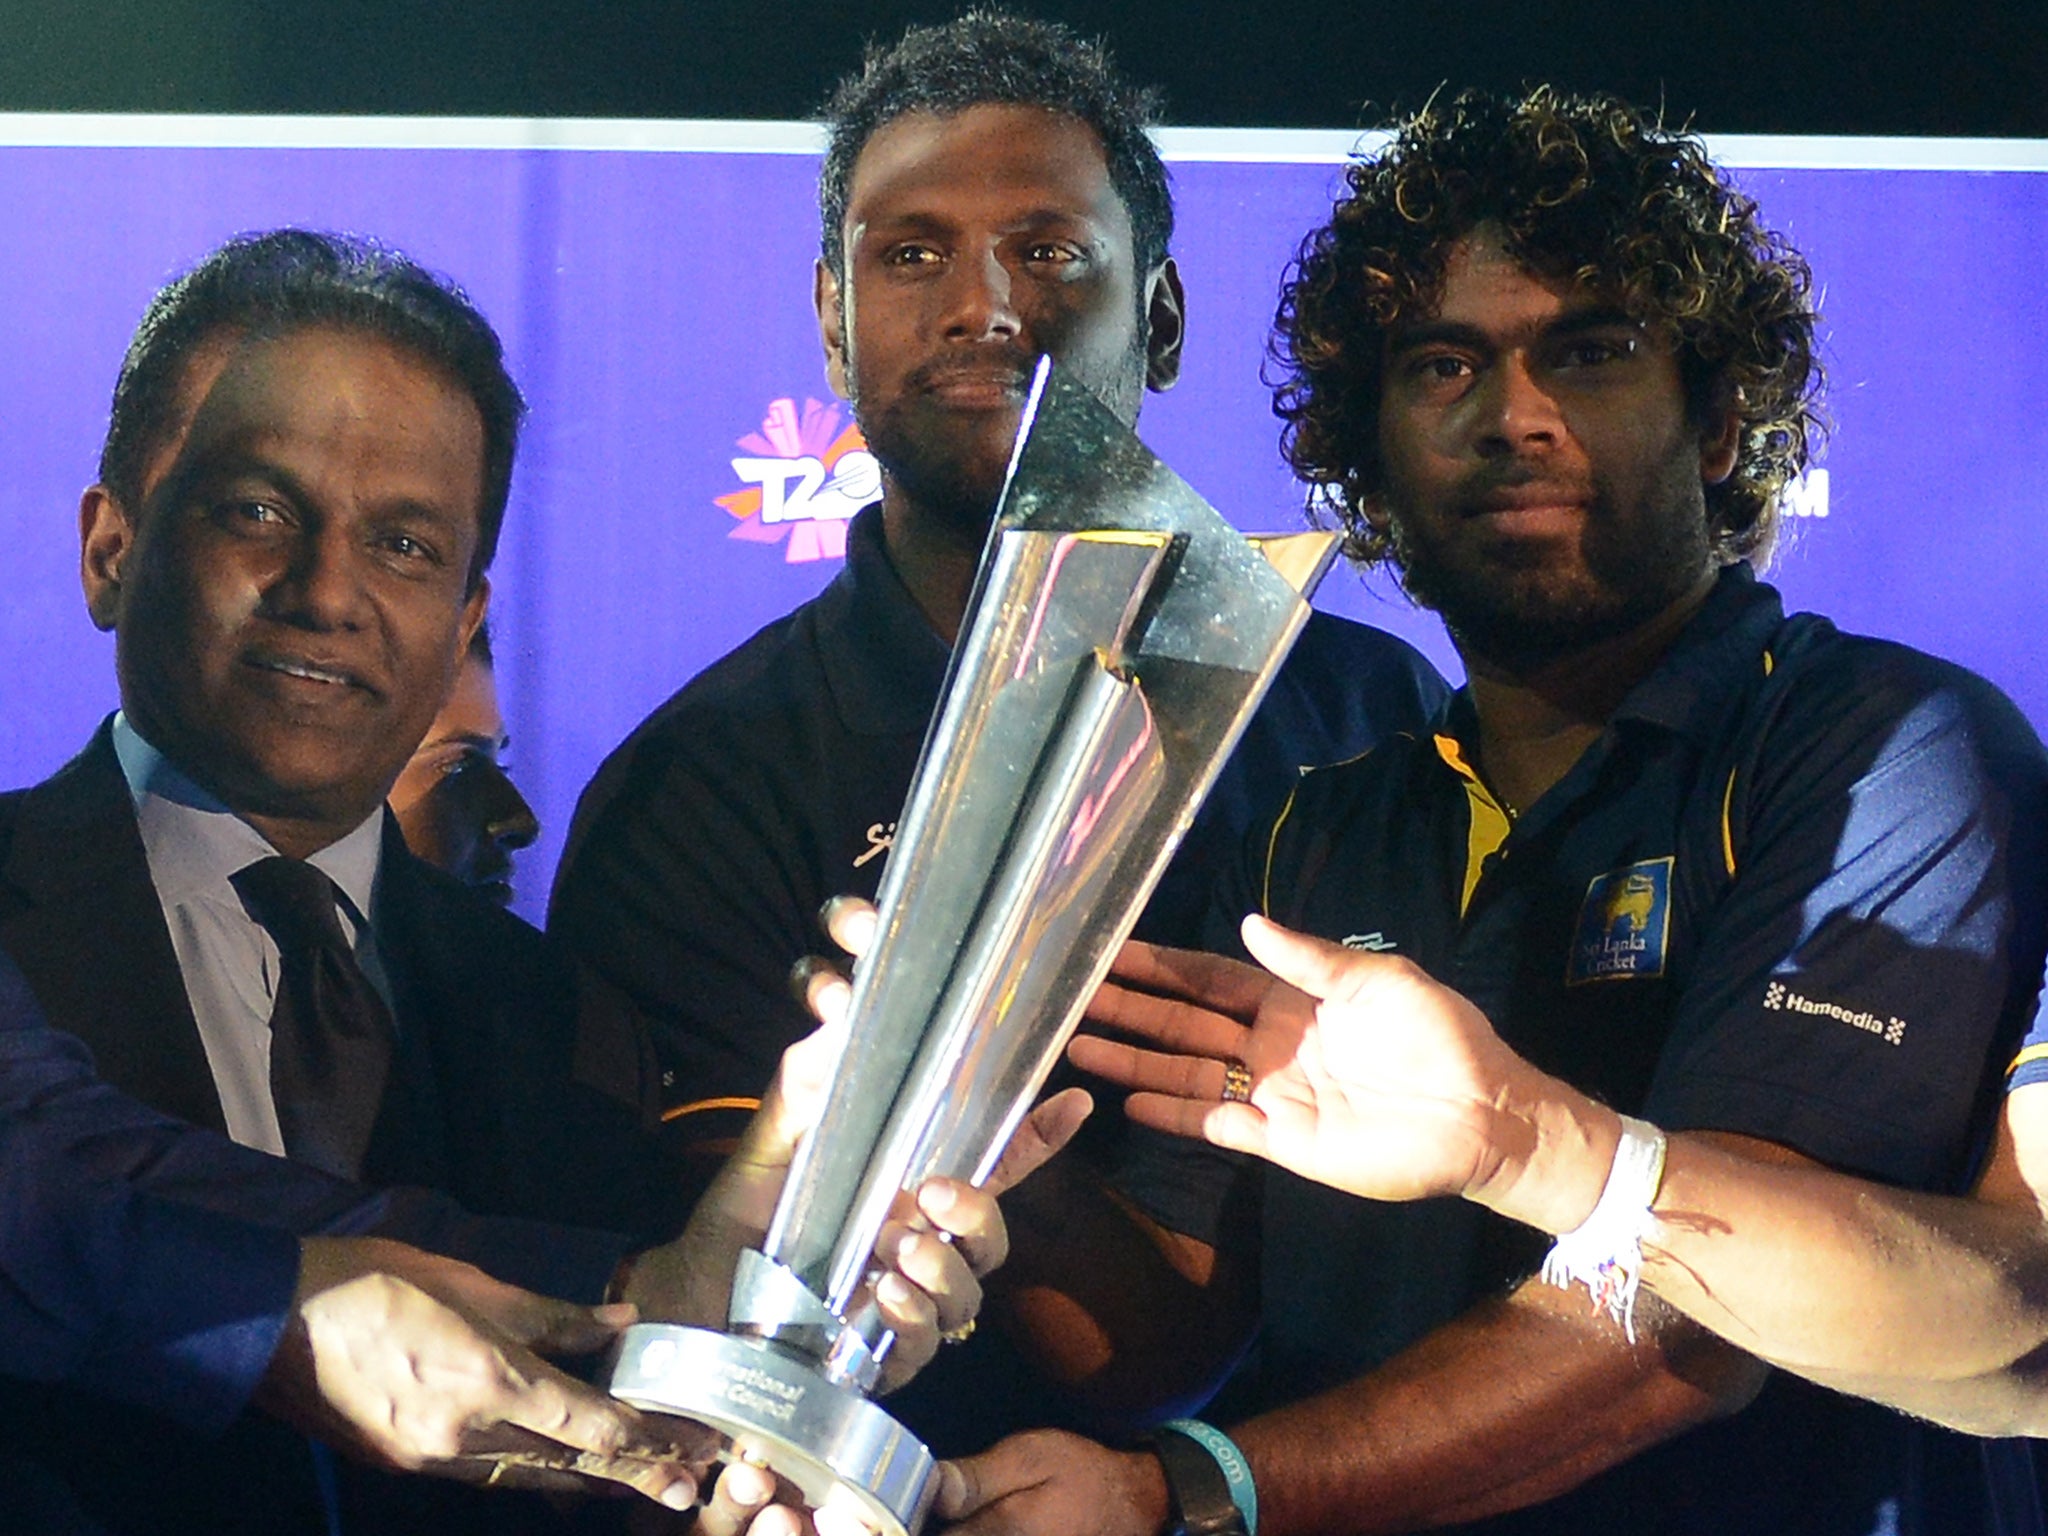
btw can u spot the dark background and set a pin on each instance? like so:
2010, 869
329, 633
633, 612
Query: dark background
1796, 66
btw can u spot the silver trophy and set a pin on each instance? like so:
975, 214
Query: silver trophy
1119, 637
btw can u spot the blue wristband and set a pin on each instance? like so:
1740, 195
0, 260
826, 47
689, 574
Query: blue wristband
1230, 1460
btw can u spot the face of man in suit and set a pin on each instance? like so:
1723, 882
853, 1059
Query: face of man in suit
291, 599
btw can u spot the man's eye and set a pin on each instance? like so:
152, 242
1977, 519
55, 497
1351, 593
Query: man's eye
1052, 253
407, 547
1591, 351
911, 256
1437, 367
249, 511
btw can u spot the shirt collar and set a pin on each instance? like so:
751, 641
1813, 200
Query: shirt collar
1718, 652
195, 843
883, 661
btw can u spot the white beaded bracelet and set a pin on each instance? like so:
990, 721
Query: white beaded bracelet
1605, 1251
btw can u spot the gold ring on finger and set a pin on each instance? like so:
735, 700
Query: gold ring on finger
1237, 1082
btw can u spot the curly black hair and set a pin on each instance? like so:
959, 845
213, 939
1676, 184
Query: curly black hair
991, 57
1586, 189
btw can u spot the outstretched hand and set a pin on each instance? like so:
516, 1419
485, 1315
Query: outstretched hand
1365, 1074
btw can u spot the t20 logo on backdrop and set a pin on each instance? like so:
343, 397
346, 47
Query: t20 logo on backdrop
803, 476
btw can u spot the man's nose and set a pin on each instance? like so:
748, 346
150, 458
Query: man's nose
321, 587
1517, 410
508, 820
981, 302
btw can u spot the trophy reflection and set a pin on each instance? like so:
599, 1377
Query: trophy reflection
1119, 637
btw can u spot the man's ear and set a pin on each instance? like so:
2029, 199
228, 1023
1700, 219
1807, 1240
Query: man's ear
829, 301
1166, 316
474, 607
106, 541
1720, 445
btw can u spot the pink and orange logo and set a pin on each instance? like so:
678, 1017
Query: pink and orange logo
804, 476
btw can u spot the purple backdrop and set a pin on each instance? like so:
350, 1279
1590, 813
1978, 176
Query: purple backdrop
656, 307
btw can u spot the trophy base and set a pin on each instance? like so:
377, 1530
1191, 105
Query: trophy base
826, 1439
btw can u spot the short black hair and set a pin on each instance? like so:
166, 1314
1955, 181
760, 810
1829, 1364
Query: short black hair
1588, 189
288, 280
995, 58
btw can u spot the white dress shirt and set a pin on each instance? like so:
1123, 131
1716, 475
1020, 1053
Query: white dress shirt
230, 963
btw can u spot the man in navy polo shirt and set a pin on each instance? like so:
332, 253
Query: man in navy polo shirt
1731, 871
989, 194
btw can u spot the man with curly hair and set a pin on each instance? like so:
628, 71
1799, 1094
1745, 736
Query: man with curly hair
1725, 869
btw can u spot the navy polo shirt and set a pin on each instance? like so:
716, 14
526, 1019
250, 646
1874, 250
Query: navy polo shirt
1779, 896
705, 845
1793, 891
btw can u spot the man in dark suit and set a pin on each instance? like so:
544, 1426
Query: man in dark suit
152, 1263
304, 474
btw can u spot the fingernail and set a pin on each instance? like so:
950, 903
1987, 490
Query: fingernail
616, 1314
938, 1198
680, 1494
894, 1289
952, 1489
747, 1484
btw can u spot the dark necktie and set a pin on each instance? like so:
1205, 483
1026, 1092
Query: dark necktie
330, 1033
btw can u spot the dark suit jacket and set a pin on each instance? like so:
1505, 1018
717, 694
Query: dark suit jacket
485, 1105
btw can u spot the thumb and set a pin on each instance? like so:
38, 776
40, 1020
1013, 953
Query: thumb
959, 1490
1049, 1127
551, 1327
796, 1099
1315, 966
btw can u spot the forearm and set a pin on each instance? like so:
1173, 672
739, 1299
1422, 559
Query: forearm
1934, 1304
1516, 1402
1134, 1322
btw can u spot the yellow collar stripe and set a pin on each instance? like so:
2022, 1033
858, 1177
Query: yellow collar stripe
1727, 828
1487, 828
1272, 844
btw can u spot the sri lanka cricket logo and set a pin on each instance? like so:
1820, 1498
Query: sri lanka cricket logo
804, 477
1624, 925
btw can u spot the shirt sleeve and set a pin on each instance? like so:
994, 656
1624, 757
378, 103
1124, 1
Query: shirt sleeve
136, 1299
677, 893
1863, 980
2030, 1062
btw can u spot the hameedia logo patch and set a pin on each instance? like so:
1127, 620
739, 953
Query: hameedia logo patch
802, 477
1624, 925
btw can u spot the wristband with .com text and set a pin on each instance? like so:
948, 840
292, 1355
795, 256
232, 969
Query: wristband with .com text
1207, 1479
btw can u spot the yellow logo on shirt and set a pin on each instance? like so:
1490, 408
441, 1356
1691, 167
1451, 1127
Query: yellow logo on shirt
1624, 925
